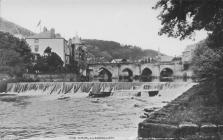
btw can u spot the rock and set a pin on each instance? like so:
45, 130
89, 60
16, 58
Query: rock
142, 116
156, 130
147, 115
188, 128
149, 110
136, 105
138, 94
208, 128
165, 102
96, 101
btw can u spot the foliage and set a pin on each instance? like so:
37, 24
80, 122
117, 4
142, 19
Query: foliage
208, 63
15, 55
50, 63
48, 50
114, 50
208, 66
181, 18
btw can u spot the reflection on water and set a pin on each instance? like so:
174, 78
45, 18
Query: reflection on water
39, 116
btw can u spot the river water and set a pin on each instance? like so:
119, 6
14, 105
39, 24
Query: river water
80, 117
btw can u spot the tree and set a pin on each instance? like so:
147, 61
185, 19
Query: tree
50, 63
181, 18
208, 65
54, 62
48, 50
15, 55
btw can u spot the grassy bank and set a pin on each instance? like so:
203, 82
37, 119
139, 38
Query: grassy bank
196, 114
199, 104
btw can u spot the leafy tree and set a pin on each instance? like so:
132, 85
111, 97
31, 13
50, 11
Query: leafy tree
48, 50
54, 62
15, 55
181, 18
208, 65
50, 63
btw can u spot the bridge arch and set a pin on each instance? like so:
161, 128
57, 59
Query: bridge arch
166, 74
146, 75
105, 75
126, 75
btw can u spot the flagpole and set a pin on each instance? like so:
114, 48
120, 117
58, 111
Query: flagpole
39, 25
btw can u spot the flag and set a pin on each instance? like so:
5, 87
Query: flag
39, 23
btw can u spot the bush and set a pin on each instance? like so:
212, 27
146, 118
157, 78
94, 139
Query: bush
208, 66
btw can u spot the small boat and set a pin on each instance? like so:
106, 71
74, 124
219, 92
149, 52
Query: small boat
153, 92
104, 92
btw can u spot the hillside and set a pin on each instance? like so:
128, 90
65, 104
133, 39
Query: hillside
107, 49
113, 50
14, 29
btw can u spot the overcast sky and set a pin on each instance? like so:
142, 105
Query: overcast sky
131, 22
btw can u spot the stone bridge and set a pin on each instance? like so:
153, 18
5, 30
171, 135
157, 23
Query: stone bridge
108, 72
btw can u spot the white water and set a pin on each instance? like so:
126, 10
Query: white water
36, 114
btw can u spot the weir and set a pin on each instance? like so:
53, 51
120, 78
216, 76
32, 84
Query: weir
115, 88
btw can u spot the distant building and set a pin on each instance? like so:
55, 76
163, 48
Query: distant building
119, 61
48, 38
189, 52
78, 53
165, 58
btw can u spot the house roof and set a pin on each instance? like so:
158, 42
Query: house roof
45, 34
165, 58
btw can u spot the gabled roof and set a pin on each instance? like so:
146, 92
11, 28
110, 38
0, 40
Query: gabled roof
42, 35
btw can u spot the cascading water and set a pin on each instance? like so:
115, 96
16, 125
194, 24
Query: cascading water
116, 89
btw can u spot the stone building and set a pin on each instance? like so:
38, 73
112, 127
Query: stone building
78, 53
48, 38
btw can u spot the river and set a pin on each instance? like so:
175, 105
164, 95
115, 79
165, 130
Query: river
78, 117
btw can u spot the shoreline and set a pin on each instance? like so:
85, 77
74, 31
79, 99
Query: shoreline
195, 114
167, 93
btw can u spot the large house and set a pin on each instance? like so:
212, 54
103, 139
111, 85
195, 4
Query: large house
48, 38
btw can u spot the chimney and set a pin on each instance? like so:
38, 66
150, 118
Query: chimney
52, 31
44, 29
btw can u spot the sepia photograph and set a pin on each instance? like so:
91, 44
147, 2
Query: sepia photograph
111, 69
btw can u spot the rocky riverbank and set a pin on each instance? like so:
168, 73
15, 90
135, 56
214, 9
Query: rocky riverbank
196, 114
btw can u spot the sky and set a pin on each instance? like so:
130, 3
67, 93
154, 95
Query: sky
131, 22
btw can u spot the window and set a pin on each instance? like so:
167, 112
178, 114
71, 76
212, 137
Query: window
36, 41
67, 60
36, 48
